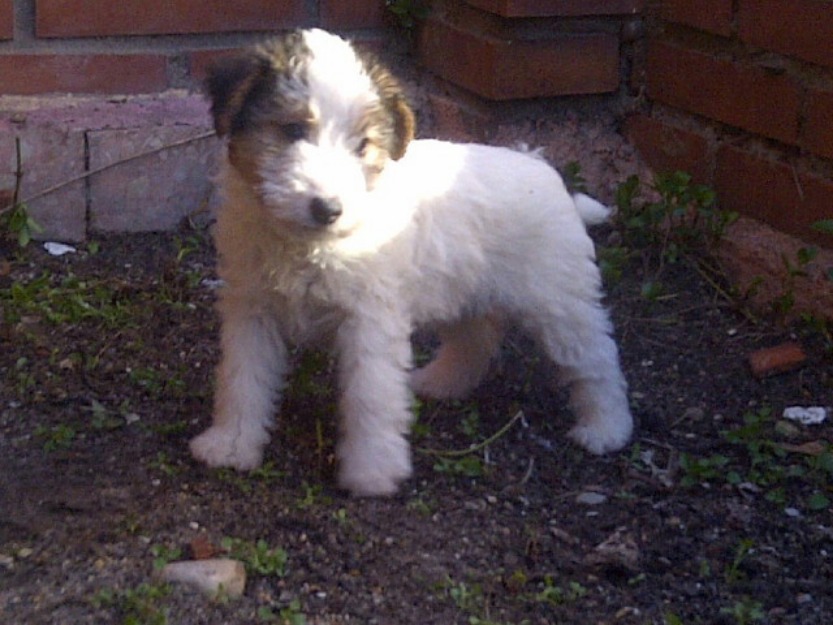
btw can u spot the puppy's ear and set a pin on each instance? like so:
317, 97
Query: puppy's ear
404, 126
230, 84
394, 104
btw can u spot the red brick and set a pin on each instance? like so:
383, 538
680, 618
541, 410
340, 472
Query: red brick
200, 60
550, 8
714, 16
337, 14
93, 18
667, 148
817, 133
501, 69
778, 359
776, 193
745, 96
800, 28
28, 74
6, 19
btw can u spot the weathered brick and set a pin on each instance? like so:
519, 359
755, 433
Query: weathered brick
774, 192
200, 60
550, 8
667, 148
27, 74
778, 359
714, 16
152, 192
337, 14
50, 156
502, 69
741, 95
95, 18
799, 28
6, 19
817, 132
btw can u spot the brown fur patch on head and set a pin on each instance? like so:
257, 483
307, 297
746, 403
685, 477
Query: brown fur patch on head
238, 85
394, 105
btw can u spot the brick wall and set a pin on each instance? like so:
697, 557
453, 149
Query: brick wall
740, 93
134, 46
510, 49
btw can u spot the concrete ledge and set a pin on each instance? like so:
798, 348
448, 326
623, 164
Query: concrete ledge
122, 164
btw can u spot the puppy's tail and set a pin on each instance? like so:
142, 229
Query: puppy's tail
591, 211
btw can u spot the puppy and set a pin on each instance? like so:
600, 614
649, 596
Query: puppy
337, 226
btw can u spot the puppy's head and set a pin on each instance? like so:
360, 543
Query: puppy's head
310, 124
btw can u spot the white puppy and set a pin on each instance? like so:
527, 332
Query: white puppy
337, 226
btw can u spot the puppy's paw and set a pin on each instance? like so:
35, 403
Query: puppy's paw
227, 447
601, 438
372, 469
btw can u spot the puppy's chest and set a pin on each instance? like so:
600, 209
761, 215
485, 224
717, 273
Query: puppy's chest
310, 300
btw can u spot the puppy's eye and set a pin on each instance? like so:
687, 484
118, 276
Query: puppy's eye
362, 147
295, 131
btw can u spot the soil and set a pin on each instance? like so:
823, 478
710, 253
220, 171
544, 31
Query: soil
717, 513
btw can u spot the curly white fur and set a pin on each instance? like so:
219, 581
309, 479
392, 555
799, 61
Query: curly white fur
456, 236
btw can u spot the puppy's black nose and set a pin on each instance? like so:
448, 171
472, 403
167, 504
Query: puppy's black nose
324, 212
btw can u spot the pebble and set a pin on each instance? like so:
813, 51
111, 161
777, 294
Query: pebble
591, 498
814, 415
213, 577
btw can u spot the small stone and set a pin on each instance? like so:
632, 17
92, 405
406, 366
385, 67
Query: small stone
218, 576
591, 498
778, 359
814, 415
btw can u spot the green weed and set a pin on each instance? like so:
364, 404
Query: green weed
408, 12
19, 224
143, 605
681, 223
66, 300
763, 462
258, 557
57, 437
745, 611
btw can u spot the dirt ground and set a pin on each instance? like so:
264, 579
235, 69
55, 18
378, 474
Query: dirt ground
719, 512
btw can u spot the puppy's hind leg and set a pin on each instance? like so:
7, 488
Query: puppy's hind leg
249, 377
578, 339
462, 360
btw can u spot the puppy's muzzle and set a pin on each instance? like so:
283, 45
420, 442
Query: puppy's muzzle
324, 212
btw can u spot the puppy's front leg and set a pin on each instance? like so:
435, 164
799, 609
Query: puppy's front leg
374, 358
249, 377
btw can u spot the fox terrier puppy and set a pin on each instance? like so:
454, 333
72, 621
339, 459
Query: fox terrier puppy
338, 226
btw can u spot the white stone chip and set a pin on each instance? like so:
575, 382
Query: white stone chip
813, 415
213, 576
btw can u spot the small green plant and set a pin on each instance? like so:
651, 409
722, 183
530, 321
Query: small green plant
681, 222
745, 611
56, 437
742, 552
246, 482
557, 595
19, 224
64, 300
467, 466
143, 605
258, 557
764, 463
162, 555
573, 178
312, 496
288, 615
408, 12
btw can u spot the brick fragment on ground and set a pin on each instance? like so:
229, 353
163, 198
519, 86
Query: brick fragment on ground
778, 359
